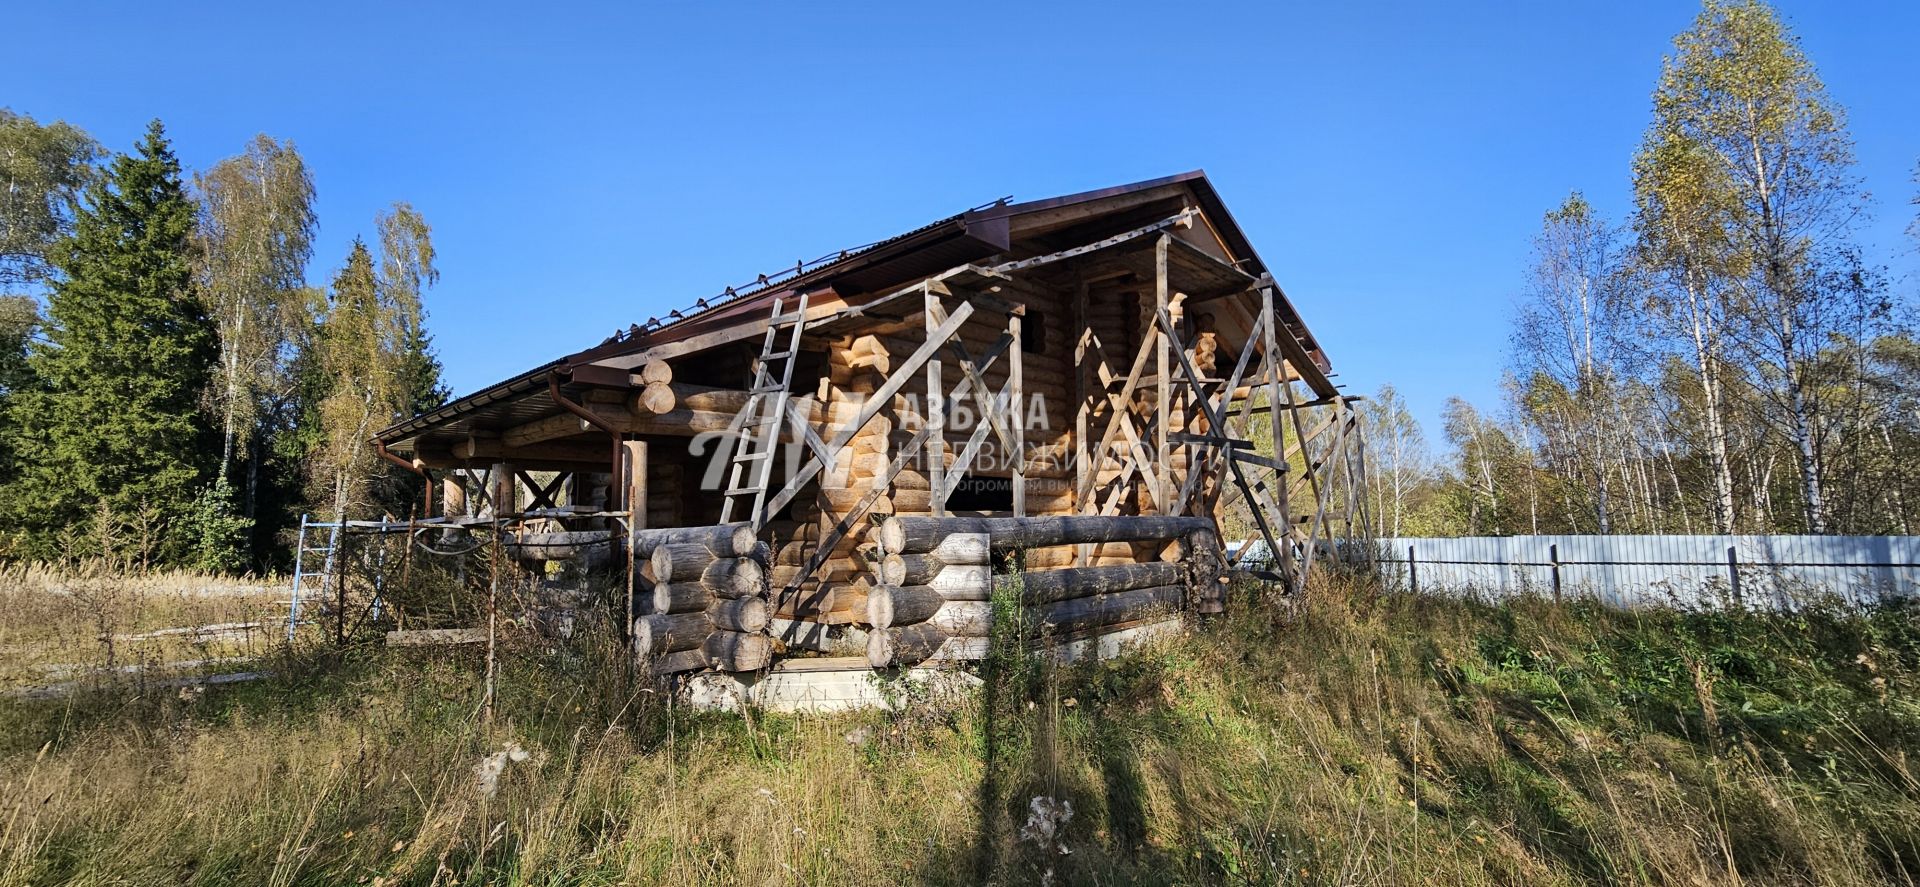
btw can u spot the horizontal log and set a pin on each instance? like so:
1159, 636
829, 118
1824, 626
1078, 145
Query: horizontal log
738, 651
964, 619
909, 645
963, 582
559, 546
433, 637
748, 614
961, 649
705, 399
912, 533
1106, 609
953, 548
679, 597
920, 502
891, 605
819, 637
681, 561
805, 601
724, 540
727, 577
670, 632
674, 663
929, 569
1048, 586
735, 577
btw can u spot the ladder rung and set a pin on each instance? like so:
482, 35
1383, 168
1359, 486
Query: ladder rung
752, 457
741, 491
769, 389
786, 319
778, 355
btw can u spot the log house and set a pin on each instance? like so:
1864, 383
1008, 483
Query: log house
1097, 383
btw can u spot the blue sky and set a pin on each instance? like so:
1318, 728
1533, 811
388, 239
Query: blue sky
587, 166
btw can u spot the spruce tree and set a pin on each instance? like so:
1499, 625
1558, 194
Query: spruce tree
114, 437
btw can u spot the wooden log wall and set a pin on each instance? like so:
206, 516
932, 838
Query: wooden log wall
1047, 384
706, 603
934, 600
911, 623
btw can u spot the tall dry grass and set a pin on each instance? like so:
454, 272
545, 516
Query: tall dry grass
59, 626
1360, 739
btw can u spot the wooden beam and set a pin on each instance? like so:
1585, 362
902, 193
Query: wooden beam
874, 404
1163, 463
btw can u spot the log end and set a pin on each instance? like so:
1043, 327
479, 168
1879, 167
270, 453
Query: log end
879, 649
745, 544
656, 398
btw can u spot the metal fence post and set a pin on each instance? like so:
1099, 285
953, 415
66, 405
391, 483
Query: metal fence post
1413, 573
1733, 574
1553, 559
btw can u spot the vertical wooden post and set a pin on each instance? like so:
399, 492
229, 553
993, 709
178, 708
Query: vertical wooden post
936, 417
1018, 401
1413, 573
453, 494
1163, 389
634, 464
500, 489
1275, 367
1083, 408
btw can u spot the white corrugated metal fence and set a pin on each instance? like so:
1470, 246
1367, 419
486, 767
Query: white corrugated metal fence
1688, 571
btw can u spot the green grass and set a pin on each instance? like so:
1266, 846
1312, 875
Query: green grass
1359, 738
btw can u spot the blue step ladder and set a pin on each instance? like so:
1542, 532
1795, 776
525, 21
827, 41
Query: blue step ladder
302, 575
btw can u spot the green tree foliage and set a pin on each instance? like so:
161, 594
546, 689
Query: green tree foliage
1734, 366
19, 320
255, 235
115, 428
1399, 468
1747, 146
42, 168
371, 363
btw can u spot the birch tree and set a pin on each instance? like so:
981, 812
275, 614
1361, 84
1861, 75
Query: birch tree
1565, 336
1749, 153
1398, 464
255, 234
43, 167
371, 350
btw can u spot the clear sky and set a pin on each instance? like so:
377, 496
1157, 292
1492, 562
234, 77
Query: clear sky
588, 166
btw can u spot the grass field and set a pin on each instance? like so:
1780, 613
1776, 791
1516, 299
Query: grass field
1358, 739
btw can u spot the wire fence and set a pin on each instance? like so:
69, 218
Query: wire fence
1685, 571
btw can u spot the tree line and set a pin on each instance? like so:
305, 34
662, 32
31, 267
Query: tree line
173, 393
1725, 360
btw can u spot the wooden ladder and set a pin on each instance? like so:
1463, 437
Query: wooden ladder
760, 424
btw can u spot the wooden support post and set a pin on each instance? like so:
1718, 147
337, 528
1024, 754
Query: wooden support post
1163, 416
635, 466
1017, 412
1413, 573
453, 494
936, 415
1082, 467
500, 489
1276, 378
